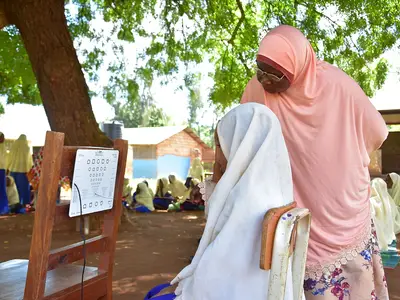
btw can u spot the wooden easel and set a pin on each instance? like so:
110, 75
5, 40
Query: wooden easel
50, 274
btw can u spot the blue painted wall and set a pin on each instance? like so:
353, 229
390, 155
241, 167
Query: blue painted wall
144, 168
168, 164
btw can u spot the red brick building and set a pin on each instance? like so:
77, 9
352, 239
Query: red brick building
159, 151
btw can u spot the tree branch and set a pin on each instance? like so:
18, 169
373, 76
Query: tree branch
332, 22
239, 23
243, 61
234, 34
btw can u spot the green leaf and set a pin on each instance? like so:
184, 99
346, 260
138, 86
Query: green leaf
174, 34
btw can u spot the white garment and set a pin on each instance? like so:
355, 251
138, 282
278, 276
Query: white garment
209, 187
382, 213
12, 192
226, 264
395, 190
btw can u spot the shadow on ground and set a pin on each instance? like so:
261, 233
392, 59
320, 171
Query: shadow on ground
151, 249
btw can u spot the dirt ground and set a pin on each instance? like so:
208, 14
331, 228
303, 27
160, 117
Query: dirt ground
150, 251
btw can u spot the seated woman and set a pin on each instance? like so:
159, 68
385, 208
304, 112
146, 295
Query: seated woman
179, 192
163, 197
196, 169
144, 199
14, 206
127, 193
226, 264
150, 190
384, 214
195, 201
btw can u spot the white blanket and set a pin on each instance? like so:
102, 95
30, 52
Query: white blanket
257, 178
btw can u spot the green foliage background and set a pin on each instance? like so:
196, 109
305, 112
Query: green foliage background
352, 34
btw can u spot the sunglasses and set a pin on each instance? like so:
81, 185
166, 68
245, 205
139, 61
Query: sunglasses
269, 76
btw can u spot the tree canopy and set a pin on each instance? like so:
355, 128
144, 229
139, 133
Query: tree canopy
136, 115
353, 34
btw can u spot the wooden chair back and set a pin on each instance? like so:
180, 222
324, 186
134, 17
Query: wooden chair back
285, 235
270, 224
59, 161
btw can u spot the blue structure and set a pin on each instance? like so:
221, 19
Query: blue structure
161, 167
168, 164
144, 168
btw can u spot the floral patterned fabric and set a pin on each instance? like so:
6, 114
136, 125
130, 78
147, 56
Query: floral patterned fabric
360, 279
34, 173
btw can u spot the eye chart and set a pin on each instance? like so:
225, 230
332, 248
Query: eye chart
95, 174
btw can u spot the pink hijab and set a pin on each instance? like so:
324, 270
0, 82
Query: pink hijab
330, 128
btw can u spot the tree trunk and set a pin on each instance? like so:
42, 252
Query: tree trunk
44, 31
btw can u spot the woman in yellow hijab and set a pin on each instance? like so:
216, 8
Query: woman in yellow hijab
144, 199
195, 201
163, 197
162, 188
19, 164
197, 170
127, 192
179, 191
182, 195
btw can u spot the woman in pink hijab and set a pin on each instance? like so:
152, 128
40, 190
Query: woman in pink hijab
330, 129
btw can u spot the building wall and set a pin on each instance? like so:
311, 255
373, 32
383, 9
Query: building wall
144, 151
180, 144
144, 163
174, 155
129, 163
170, 156
208, 155
391, 153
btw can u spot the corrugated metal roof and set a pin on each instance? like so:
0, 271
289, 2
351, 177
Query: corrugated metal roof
150, 135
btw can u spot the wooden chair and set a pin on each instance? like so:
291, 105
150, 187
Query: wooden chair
285, 232
50, 274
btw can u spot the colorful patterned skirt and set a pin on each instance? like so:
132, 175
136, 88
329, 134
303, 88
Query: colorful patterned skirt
361, 278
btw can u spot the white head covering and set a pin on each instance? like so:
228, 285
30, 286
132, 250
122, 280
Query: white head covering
257, 178
395, 190
382, 213
196, 169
